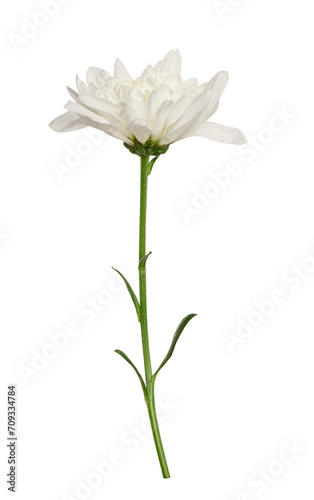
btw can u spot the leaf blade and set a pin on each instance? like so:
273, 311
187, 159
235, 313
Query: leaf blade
127, 359
151, 164
142, 263
175, 339
132, 294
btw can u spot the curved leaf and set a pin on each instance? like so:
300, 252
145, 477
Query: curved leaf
136, 370
151, 164
175, 339
142, 262
131, 292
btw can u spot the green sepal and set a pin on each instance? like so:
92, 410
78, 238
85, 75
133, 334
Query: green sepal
123, 355
131, 292
149, 148
175, 339
142, 262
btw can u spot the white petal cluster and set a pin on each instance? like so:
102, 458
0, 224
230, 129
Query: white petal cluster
158, 106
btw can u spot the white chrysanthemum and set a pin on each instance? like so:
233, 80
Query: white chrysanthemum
158, 106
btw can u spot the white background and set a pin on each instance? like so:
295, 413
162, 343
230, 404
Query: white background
230, 412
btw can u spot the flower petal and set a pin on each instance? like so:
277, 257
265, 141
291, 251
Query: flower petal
155, 100
190, 85
140, 130
96, 76
193, 116
219, 133
127, 113
148, 72
196, 107
178, 109
67, 122
81, 86
170, 64
137, 102
160, 120
108, 129
106, 109
73, 94
219, 82
83, 111
121, 72
116, 129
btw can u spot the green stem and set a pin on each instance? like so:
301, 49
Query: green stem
142, 273
150, 400
157, 438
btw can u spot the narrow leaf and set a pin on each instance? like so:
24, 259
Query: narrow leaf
136, 370
142, 262
151, 164
175, 339
133, 296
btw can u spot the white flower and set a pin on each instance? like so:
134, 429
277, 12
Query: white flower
158, 106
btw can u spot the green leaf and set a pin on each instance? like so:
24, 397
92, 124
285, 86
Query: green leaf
175, 339
131, 292
142, 262
151, 164
136, 370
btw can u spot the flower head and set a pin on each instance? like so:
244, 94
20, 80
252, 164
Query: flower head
157, 108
